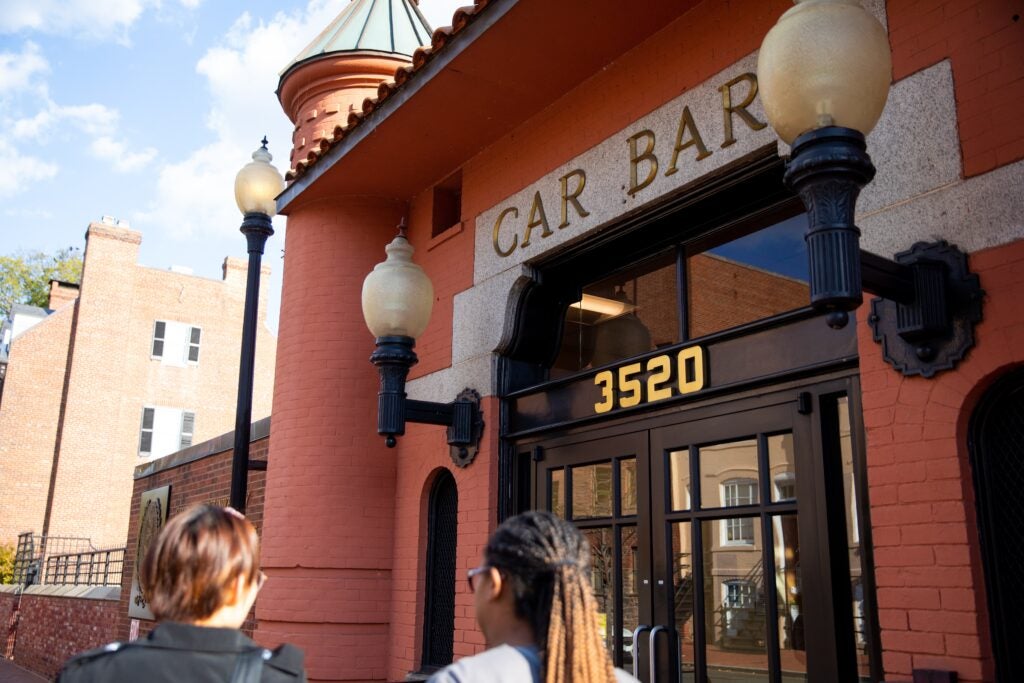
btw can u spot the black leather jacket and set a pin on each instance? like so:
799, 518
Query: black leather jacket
180, 652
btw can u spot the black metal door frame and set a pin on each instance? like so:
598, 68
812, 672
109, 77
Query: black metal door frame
807, 408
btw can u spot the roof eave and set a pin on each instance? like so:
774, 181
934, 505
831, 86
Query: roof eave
464, 39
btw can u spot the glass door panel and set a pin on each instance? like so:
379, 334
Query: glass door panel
600, 485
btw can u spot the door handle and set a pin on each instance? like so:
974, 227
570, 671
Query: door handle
651, 654
635, 646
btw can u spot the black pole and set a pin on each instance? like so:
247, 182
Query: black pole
257, 228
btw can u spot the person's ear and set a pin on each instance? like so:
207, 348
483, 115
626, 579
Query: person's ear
496, 583
237, 591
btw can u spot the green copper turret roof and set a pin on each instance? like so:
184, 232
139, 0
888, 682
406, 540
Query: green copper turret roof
394, 26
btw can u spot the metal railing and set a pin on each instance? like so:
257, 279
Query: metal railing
65, 560
91, 568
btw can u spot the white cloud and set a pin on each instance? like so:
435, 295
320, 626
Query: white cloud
92, 119
197, 193
116, 152
85, 18
18, 70
17, 171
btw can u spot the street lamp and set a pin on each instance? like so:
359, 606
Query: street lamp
823, 73
397, 300
256, 188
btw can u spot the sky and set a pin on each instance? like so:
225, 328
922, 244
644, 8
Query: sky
144, 110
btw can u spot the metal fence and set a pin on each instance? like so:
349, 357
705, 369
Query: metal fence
65, 560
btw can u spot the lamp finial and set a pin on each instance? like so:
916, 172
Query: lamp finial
264, 141
402, 227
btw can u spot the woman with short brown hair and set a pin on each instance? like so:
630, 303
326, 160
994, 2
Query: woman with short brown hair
201, 575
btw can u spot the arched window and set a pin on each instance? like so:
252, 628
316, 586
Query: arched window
997, 459
439, 602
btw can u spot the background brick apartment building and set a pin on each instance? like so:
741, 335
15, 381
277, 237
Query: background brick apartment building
137, 363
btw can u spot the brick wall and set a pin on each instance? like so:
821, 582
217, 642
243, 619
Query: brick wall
111, 378
204, 476
29, 416
51, 629
985, 43
931, 588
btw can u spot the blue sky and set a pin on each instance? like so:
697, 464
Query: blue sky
144, 110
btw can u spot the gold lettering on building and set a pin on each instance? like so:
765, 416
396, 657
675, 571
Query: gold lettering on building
624, 386
728, 108
687, 125
537, 218
635, 159
572, 197
497, 229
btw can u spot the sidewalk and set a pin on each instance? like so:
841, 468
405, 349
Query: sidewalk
12, 673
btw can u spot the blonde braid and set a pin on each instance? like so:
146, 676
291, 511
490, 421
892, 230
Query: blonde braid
545, 559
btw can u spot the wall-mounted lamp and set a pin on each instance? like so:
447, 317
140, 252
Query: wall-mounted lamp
256, 188
823, 73
397, 301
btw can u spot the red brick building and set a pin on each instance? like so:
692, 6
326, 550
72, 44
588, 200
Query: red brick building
617, 264
135, 364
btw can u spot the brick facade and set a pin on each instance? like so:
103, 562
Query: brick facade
346, 519
51, 629
78, 381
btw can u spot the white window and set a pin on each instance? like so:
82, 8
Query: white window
176, 343
165, 430
739, 530
785, 486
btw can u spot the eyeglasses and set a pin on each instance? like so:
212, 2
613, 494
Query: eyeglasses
261, 578
472, 574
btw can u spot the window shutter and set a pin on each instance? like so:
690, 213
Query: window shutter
146, 434
159, 334
188, 427
193, 344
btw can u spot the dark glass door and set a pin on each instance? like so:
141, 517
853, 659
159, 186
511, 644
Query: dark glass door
710, 535
600, 484
726, 547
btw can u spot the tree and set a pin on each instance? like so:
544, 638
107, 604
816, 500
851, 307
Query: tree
25, 277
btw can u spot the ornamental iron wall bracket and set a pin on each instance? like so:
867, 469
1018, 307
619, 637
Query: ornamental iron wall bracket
932, 329
393, 357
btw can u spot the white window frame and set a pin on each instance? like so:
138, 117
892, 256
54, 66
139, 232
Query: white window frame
183, 333
146, 431
738, 531
159, 437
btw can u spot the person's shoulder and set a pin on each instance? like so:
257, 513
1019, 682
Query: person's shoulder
502, 663
289, 660
623, 677
87, 665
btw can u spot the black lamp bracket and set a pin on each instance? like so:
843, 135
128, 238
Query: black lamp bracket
930, 302
393, 357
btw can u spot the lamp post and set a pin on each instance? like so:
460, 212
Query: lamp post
256, 188
823, 73
397, 300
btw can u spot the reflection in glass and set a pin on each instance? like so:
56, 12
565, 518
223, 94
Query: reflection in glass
683, 596
630, 595
679, 479
592, 491
782, 466
602, 578
853, 541
755, 276
789, 598
627, 486
728, 474
556, 489
633, 311
734, 606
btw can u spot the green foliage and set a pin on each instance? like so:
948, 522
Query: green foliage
25, 277
7, 553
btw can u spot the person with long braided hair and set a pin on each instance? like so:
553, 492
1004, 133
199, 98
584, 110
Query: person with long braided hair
536, 608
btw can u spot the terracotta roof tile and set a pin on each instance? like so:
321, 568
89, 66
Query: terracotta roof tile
462, 18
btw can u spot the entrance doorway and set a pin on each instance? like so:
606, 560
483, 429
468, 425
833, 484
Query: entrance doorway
724, 538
